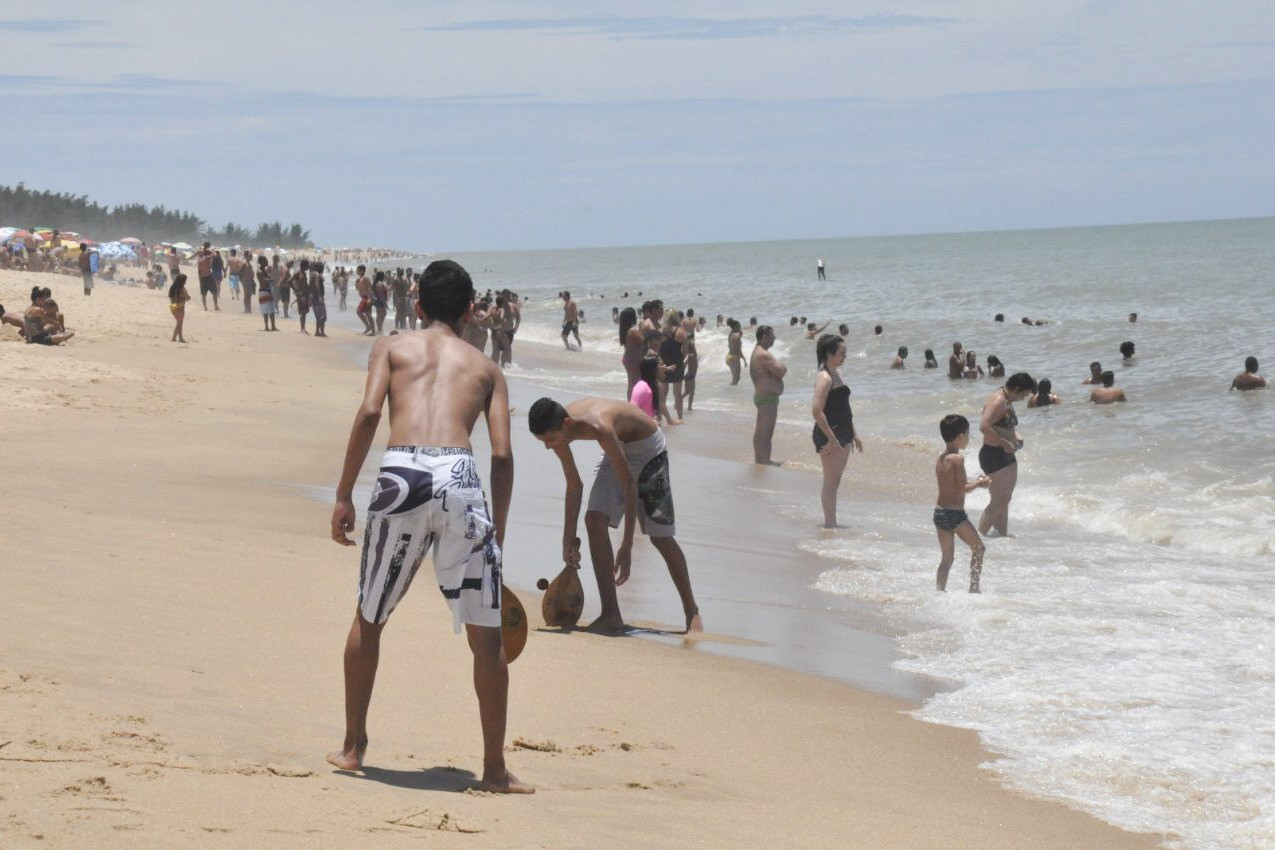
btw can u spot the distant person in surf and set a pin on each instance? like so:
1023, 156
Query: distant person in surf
950, 519
1108, 393
1249, 379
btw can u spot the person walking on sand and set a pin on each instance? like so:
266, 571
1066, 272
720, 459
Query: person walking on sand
300, 284
634, 346
768, 385
318, 306
265, 294
630, 482
203, 268
247, 279
834, 435
998, 457
428, 496
177, 298
86, 268
1248, 379
363, 287
950, 519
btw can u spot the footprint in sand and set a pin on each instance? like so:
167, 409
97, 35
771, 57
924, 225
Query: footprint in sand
429, 820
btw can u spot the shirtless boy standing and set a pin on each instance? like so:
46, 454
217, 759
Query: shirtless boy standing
633, 468
1108, 393
428, 496
570, 321
950, 519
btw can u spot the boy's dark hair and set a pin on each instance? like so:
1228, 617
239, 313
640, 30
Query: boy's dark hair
877, 330
903, 352
763, 330
1095, 365
446, 291
952, 426
361, 269
1250, 364
233, 252
1126, 349
317, 267
1108, 378
305, 265
1020, 381
1000, 317
545, 415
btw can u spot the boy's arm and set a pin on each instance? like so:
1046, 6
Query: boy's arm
361, 436
575, 489
615, 453
502, 454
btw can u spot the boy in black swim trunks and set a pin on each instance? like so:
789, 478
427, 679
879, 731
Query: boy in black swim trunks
949, 514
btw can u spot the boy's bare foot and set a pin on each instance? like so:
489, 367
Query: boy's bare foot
504, 782
694, 625
348, 759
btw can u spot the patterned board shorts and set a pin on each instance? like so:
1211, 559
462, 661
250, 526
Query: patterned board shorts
430, 499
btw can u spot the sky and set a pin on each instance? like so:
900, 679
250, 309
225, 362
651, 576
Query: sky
469, 126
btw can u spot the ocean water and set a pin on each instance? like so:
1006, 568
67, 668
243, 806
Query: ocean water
1122, 655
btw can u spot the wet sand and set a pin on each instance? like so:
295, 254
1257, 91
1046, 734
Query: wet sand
170, 667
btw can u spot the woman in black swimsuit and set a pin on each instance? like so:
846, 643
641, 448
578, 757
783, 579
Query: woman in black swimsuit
1001, 441
673, 356
833, 434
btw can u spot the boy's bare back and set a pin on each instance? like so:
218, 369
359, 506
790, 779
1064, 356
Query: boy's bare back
628, 421
950, 472
437, 386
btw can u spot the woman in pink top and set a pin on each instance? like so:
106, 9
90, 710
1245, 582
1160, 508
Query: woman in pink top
645, 393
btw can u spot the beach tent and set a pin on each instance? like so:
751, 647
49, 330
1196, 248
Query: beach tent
116, 251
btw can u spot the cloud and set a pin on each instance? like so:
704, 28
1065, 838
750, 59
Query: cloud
671, 28
94, 45
28, 81
46, 25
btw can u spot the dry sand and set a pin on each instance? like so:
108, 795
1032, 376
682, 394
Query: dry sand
174, 616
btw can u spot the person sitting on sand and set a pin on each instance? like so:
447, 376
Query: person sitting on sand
8, 318
1095, 374
1107, 393
900, 358
1249, 379
630, 481
428, 496
1044, 396
36, 326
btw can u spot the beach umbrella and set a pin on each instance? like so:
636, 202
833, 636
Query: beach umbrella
182, 246
130, 240
6, 233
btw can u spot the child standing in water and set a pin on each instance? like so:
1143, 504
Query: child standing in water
950, 519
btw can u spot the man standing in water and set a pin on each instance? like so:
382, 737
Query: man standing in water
768, 385
1249, 379
819, 266
632, 475
429, 496
570, 321
956, 363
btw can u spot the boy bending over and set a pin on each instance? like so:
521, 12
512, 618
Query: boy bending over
633, 469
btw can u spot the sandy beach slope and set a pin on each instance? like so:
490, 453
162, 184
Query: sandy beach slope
174, 615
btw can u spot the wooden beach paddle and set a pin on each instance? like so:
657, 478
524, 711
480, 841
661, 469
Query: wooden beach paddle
563, 602
513, 624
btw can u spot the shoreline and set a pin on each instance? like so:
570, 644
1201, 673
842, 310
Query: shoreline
190, 614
